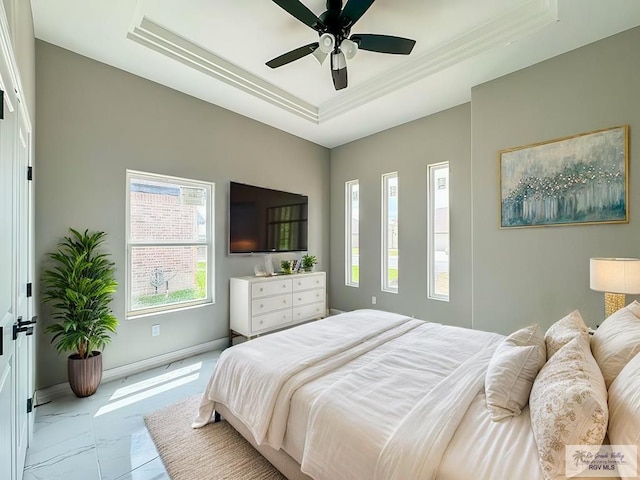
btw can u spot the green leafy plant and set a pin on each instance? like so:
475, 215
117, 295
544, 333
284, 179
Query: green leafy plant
286, 266
308, 261
80, 287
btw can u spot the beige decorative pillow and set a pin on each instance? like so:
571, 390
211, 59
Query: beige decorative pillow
568, 405
563, 331
512, 370
624, 407
617, 341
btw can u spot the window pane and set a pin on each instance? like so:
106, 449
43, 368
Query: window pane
167, 275
390, 233
352, 216
166, 212
439, 231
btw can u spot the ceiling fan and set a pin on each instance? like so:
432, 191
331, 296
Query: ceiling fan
334, 27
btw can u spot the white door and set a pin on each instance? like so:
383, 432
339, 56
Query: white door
23, 328
8, 467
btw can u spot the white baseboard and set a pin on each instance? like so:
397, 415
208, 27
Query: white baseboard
47, 394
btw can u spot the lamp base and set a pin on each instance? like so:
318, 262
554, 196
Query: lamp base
612, 303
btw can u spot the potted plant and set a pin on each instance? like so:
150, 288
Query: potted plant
80, 286
308, 261
286, 266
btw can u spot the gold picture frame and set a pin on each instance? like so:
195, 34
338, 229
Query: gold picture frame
576, 180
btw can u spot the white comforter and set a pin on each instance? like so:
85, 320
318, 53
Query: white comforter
428, 372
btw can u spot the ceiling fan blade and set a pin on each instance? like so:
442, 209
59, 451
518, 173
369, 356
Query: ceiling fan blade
301, 12
384, 43
353, 10
293, 55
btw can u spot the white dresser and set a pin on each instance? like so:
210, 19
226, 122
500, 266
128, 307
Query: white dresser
262, 304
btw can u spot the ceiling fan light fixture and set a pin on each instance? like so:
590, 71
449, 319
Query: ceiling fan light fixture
349, 48
320, 56
326, 43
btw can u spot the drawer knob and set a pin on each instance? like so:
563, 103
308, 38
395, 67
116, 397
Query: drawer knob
261, 306
284, 286
317, 294
261, 289
299, 299
284, 301
261, 322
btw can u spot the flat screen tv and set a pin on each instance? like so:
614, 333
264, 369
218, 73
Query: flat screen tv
262, 220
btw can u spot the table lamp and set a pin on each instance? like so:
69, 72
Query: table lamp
615, 277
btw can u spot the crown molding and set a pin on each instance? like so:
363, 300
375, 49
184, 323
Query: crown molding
513, 25
172, 45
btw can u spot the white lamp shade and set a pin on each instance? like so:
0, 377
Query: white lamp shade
615, 275
326, 43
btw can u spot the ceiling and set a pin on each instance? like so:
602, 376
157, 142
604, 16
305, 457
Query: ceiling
216, 50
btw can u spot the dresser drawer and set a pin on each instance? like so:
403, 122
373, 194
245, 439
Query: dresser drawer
269, 304
264, 289
308, 296
306, 283
270, 320
307, 312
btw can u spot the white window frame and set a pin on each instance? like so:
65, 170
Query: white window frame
348, 189
209, 242
431, 211
385, 231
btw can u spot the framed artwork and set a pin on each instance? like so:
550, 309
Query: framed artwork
569, 181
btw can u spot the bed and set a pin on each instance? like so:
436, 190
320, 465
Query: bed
372, 395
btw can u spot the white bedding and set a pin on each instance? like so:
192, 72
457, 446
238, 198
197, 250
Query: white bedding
371, 395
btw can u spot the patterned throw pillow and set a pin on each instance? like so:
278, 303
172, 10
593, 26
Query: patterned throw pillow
568, 405
563, 331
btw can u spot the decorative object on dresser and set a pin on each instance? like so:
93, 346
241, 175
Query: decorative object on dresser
263, 304
308, 261
615, 277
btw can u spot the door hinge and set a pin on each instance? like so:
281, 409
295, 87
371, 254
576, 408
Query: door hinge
29, 289
29, 405
29, 173
1, 104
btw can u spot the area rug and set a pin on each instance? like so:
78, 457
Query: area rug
215, 451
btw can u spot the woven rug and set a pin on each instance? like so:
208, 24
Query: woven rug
215, 451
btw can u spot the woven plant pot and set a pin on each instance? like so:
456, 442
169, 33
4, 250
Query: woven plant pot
85, 374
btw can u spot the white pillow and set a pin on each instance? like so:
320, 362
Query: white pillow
617, 341
512, 370
563, 331
624, 407
568, 405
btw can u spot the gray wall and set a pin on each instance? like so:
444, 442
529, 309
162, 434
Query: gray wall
94, 122
408, 149
530, 275
500, 279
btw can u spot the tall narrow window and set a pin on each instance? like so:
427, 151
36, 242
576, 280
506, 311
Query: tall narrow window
390, 252
438, 231
169, 242
352, 229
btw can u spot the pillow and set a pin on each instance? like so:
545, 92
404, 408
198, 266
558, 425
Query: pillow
624, 407
617, 341
568, 405
512, 370
563, 331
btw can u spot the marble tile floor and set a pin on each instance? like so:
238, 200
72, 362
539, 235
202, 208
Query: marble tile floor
103, 437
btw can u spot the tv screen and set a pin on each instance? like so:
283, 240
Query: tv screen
265, 220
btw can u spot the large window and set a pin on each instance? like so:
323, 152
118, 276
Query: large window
169, 243
438, 231
352, 229
390, 254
